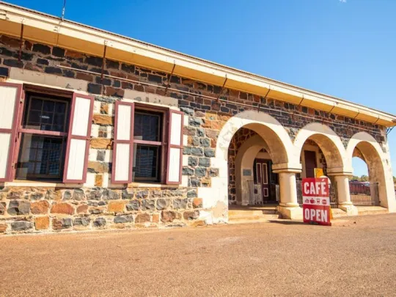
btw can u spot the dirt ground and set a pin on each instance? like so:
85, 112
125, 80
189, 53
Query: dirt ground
356, 257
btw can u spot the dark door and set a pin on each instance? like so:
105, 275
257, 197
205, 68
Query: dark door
310, 163
262, 178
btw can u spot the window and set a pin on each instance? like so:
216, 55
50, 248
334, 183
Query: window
148, 145
43, 137
44, 133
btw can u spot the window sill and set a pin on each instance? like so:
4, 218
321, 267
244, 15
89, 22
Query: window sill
44, 184
48, 184
150, 185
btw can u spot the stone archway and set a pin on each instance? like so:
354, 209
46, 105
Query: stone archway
378, 163
328, 141
280, 148
335, 154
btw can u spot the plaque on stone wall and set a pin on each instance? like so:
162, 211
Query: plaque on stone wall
247, 172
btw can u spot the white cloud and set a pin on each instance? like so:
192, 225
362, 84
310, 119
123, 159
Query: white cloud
343, 1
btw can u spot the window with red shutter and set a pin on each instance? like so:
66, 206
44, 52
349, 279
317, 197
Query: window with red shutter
10, 96
78, 139
43, 137
149, 145
123, 143
151, 149
175, 147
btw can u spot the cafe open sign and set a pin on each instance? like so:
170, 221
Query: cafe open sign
316, 201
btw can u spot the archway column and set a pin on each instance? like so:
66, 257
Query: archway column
343, 192
288, 205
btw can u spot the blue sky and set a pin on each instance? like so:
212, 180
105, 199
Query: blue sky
342, 48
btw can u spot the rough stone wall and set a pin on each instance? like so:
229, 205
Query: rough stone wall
45, 209
206, 117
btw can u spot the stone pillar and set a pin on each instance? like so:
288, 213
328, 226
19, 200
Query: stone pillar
288, 189
288, 205
344, 195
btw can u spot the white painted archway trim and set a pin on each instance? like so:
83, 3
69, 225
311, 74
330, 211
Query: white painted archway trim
386, 186
250, 117
328, 141
215, 198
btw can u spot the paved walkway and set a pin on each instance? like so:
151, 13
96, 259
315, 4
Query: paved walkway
355, 258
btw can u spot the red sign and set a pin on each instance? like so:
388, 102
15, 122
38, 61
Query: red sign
316, 201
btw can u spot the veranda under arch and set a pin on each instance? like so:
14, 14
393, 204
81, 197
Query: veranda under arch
378, 164
328, 141
244, 163
334, 153
280, 148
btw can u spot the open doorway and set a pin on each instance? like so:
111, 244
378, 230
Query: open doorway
314, 164
252, 181
363, 190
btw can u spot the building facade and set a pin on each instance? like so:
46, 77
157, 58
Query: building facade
99, 131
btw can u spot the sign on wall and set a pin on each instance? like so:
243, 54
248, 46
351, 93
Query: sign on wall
316, 201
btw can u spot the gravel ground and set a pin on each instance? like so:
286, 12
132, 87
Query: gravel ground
356, 257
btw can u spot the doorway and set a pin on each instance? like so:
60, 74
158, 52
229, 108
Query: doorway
310, 163
265, 180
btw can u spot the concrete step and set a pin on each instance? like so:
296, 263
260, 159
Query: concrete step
245, 218
270, 211
244, 213
261, 220
252, 214
338, 213
252, 217
363, 210
371, 210
241, 217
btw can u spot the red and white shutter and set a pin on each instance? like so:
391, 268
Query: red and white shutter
123, 143
78, 139
10, 95
175, 147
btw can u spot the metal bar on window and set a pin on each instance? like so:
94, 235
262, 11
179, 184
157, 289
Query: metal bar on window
147, 142
43, 132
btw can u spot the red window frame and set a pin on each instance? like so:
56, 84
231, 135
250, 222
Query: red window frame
163, 144
10, 169
20, 130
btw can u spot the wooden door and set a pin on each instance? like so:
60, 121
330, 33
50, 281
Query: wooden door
310, 163
262, 178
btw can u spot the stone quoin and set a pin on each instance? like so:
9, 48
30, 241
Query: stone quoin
100, 131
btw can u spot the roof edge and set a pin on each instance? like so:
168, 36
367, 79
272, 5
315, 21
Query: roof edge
168, 55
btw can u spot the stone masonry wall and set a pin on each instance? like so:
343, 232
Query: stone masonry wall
101, 206
41, 209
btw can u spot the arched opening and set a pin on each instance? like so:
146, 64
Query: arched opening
380, 178
251, 178
257, 144
321, 153
280, 151
363, 191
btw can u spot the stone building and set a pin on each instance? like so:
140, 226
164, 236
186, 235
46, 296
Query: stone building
101, 131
